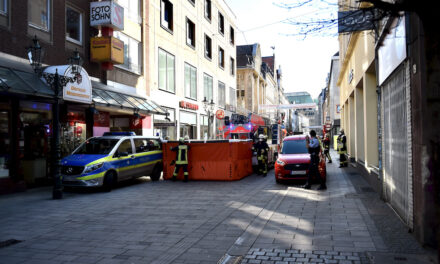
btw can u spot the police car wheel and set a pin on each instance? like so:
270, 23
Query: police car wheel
155, 175
109, 181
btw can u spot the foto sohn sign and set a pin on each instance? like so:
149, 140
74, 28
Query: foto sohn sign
107, 13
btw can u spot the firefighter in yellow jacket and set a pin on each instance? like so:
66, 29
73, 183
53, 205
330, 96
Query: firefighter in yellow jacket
181, 159
342, 149
262, 150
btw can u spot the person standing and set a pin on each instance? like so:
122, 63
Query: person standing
314, 148
181, 159
326, 142
342, 149
262, 150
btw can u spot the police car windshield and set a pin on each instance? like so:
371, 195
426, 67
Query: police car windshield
294, 147
97, 146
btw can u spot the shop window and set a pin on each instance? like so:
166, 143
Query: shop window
39, 14
73, 25
231, 35
166, 71
221, 58
221, 23
207, 87
125, 147
132, 53
166, 15
221, 95
208, 47
232, 66
190, 33
190, 81
208, 9
144, 145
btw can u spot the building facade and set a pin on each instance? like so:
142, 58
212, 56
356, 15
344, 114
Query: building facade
115, 98
390, 113
192, 59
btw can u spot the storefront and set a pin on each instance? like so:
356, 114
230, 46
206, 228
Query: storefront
165, 126
188, 124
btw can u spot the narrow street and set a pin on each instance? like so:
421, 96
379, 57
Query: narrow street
253, 220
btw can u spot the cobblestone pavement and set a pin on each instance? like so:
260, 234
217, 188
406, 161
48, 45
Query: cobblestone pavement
253, 220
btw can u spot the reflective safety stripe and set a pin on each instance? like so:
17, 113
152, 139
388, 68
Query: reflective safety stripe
182, 154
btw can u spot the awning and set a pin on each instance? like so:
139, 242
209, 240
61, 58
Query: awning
105, 97
20, 82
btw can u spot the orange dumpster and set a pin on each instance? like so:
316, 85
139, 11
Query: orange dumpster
212, 161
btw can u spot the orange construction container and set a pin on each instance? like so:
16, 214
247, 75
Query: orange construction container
212, 161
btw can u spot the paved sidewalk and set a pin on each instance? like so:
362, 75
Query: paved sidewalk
348, 223
253, 220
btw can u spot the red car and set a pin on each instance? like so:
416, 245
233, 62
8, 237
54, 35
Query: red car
294, 160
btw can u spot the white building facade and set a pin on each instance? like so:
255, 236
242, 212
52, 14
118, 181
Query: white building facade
192, 57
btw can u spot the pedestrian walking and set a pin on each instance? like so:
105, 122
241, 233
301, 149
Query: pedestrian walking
342, 149
314, 149
262, 150
181, 159
326, 143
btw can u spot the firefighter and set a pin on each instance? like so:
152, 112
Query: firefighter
342, 149
326, 142
314, 148
262, 150
181, 159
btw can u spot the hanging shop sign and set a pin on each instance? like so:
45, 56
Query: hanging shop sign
108, 14
357, 20
220, 114
107, 49
186, 105
79, 91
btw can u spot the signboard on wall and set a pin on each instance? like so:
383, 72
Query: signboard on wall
357, 20
393, 50
107, 13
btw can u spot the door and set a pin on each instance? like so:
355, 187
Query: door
125, 164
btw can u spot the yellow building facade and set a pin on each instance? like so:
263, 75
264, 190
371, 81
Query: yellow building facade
358, 98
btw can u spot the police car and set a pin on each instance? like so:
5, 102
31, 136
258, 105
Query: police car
116, 156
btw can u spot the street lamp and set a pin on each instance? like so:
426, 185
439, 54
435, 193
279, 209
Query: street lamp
57, 82
209, 109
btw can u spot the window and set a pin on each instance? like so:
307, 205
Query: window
132, 10
208, 9
190, 33
166, 15
125, 147
3, 7
221, 23
207, 86
232, 97
73, 25
221, 95
190, 81
221, 58
232, 36
208, 47
144, 145
166, 71
232, 65
39, 11
132, 52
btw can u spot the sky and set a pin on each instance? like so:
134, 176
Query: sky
304, 61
